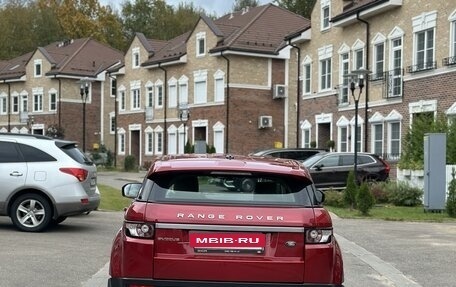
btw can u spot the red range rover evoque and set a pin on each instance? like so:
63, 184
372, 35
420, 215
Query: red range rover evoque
213, 220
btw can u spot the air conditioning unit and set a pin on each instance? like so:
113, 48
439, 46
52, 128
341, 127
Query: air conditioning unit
279, 92
265, 122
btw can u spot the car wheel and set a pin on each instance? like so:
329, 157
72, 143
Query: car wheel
31, 212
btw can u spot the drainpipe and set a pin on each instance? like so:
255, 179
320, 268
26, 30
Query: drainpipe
227, 100
298, 91
115, 120
366, 108
9, 106
165, 107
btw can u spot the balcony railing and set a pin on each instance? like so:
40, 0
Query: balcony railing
449, 61
392, 83
426, 66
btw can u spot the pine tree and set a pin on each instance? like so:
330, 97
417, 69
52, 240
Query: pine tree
364, 199
350, 190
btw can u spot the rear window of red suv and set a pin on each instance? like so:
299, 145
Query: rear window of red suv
229, 188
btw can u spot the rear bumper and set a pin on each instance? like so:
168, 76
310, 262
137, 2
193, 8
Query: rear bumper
122, 282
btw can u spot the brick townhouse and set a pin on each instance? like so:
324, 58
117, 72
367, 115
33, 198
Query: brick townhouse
408, 48
41, 89
229, 75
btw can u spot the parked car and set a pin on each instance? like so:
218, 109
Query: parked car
290, 153
330, 170
211, 220
44, 181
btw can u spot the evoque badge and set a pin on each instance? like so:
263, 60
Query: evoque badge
290, 243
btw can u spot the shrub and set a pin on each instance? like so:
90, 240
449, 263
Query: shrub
364, 199
334, 198
403, 194
451, 200
350, 190
129, 163
379, 191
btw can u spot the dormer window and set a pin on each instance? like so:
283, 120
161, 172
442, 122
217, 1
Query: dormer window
200, 44
38, 68
135, 58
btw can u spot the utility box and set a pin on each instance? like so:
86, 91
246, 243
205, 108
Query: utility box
434, 172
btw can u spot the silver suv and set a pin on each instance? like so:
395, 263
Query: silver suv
44, 180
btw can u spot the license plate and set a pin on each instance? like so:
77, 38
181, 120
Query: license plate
228, 242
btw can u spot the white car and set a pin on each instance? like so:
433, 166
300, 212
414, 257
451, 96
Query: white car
44, 180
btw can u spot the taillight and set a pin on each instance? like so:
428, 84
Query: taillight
387, 166
79, 173
139, 229
314, 236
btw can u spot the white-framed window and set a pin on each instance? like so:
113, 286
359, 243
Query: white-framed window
24, 103
183, 90
38, 68
135, 99
158, 140
15, 103
325, 74
200, 44
359, 141
219, 137
200, 92
172, 90
306, 77
325, 14
424, 40
325, 69
159, 94
379, 56
149, 95
52, 100
395, 63
343, 139
135, 58
113, 82
122, 101
343, 134
172, 139
452, 19
344, 79
3, 104
37, 102
112, 123
306, 134
377, 138
149, 141
358, 55
219, 86
121, 141
394, 139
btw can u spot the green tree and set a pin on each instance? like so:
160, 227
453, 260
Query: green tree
301, 7
451, 200
351, 190
239, 4
364, 199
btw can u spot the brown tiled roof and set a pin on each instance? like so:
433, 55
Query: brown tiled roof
81, 58
259, 29
355, 6
14, 69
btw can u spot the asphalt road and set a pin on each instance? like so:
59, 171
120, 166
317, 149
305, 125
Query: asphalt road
376, 253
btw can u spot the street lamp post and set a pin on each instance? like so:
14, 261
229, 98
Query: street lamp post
360, 74
84, 92
184, 116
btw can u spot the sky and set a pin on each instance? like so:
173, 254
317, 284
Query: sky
218, 7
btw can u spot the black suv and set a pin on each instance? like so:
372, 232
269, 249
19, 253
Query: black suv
331, 169
300, 154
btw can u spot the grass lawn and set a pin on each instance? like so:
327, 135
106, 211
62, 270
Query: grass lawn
395, 213
112, 199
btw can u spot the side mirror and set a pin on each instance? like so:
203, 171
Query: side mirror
131, 190
319, 197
